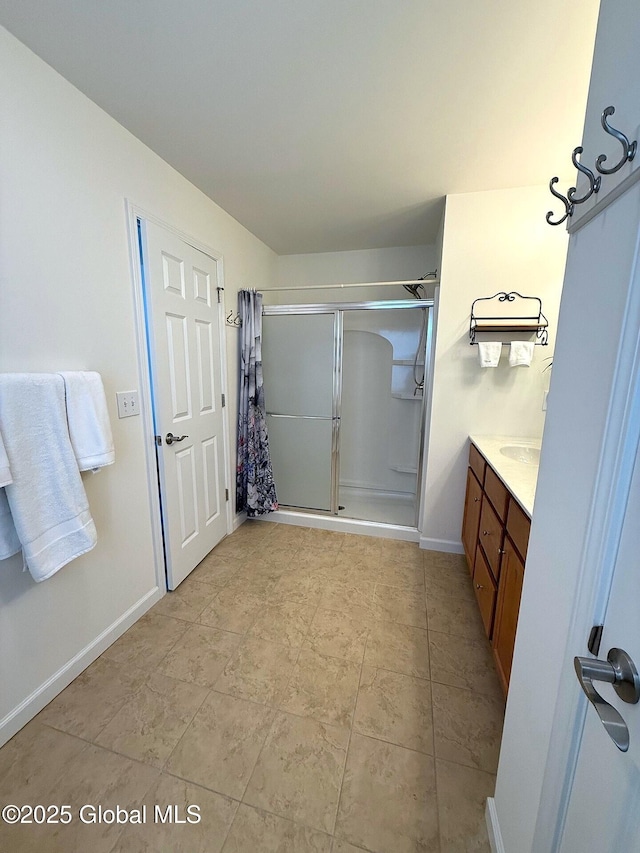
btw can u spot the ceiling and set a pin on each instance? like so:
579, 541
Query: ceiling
327, 125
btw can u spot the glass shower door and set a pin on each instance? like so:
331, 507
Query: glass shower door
299, 365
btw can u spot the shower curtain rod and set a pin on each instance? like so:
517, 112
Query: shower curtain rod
359, 284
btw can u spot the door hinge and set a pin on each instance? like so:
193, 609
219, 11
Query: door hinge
158, 439
595, 636
226, 494
224, 400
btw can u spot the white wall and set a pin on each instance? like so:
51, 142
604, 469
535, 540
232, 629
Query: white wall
402, 263
493, 241
66, 169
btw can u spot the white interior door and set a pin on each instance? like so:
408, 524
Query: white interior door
603, 814
183, 323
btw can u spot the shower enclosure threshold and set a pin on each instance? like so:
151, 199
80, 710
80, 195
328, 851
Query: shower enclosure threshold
301, 518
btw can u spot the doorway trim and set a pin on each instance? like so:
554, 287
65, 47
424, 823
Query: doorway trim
133, 214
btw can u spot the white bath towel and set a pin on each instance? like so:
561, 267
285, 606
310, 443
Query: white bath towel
89, 427
47, 499
5, 468
520, 353
9, 542
489, 353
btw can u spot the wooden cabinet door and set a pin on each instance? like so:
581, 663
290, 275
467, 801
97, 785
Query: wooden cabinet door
506, 622
471, 521
484, 587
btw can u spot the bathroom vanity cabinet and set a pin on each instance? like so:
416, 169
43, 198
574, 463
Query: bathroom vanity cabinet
495, 535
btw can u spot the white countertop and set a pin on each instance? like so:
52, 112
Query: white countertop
520, 478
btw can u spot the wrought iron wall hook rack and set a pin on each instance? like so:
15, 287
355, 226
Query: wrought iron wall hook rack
594, 183
233, 321
530, 320
568, 206
628, 149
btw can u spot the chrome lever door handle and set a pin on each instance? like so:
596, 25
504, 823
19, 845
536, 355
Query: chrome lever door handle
171, 438
619, 671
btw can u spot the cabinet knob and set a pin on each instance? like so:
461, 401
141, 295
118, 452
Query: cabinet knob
479, 586
485, 532
475, 500
501, 551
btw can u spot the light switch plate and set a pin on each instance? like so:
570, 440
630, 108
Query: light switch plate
128, 403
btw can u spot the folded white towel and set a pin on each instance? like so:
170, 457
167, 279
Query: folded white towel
47, 499
489, 353
520, 353
9, 542
5, 468
89, 427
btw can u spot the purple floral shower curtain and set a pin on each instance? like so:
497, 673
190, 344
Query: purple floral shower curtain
255, 489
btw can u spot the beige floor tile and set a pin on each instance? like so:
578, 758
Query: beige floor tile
299, 771
467, 727
234, 546
259, 670
401, 648
200, 655
454, 614
215, 811
232, 611
337, 635
345, 597
152, 722
442, 560
344, 847
299, 587
221, 746
147, 642
462, 796
322, 687
363, 545
442, 580
216, 571
287, 622
280, 556
94, 777
406, 606
32, 761
395, 708
255, 831
460, 662
402, 576
388, 801
187, 601
402, 553
258, 584
93, 698
316, 560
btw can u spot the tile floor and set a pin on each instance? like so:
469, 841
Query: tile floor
311, 692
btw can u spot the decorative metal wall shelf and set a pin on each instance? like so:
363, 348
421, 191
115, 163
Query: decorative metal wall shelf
570, 200
527, 316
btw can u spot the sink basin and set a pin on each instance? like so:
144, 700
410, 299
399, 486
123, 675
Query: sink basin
521, 453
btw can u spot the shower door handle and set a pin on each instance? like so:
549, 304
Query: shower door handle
301, 417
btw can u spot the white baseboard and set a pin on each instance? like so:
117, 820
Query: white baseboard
493, 827
239, 519
449, 546
36, 701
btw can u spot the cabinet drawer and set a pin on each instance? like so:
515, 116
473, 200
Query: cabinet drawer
496, 492
485, 589
477, 463
490, 536
471, 521
518, 528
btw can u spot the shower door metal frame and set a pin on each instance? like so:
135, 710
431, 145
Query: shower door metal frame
337, 309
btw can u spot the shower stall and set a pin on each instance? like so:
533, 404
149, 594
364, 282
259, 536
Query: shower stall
345, 397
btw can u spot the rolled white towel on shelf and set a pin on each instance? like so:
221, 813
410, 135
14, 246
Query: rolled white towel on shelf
489, 353
520, 353
88, 419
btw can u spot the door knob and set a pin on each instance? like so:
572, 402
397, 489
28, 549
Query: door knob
619, 671
171, 438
